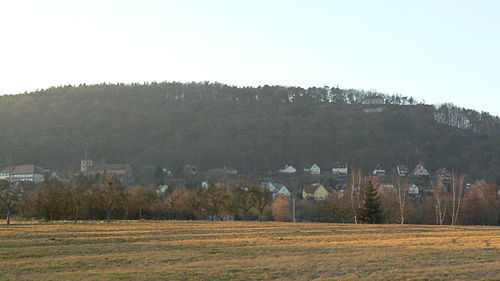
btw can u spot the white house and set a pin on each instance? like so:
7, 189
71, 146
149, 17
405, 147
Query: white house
402, 170
230, 170
204, 184
288, 169
162, 188
379, 171
276, 189
340, 169
282, 190
420, 171
413, 189
24, 173
315, 170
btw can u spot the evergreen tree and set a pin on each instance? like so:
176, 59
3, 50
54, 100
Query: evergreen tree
370, 213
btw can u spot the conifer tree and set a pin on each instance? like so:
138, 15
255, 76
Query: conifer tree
370, 213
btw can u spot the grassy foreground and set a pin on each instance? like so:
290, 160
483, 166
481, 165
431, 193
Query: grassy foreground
199, 250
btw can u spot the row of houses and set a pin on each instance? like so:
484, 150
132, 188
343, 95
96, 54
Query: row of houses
342, 169
338, 169
36, 174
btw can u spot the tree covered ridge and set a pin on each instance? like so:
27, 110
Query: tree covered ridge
255, 129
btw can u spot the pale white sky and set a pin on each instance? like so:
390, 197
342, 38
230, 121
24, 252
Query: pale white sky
437, 51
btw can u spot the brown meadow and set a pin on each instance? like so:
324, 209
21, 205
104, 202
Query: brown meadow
201, 250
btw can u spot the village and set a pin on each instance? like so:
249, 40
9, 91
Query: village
310, 182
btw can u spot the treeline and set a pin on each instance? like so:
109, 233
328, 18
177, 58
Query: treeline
361, 202
253, 129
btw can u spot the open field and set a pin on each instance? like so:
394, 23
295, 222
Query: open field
199, 250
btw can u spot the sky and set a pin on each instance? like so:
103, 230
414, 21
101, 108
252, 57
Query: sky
434, 51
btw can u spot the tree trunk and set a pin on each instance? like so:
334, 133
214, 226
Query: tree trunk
108, 215
8, 215
76, 214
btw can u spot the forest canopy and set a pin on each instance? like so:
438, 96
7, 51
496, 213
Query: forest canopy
253, 129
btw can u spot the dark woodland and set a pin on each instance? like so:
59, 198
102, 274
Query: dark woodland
253, 129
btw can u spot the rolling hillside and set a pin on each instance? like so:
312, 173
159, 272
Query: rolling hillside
252, 129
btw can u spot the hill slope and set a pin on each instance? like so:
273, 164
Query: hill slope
252, 129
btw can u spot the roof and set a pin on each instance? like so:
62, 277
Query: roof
420, 170
288, 169
24, 169
311, 188
280, 188
269, 186
339, 165
443, 172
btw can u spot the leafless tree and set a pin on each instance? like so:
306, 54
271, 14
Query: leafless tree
260, 198
142, 197
356, 182
440, 201
402, 187
79, 195
457, 187
111, 195
9, 196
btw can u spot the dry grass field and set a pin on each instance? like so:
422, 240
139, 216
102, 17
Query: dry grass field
199, 250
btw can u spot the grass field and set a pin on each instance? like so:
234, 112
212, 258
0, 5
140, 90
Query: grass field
199, 250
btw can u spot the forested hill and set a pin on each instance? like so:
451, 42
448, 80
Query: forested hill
252, 129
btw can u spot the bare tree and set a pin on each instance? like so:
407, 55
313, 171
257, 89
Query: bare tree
213, 200
111, 195
171, 202
142, 197
440, 201
52, 199
457, 187
261, 198
402, 188
356, 182
78, 195
9, 196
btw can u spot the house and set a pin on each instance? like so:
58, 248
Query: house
420, 171
413, 189
379, 171
277, 189
59, 177
282, 190
315, 191
230, 171
402, 170
288, 169
269, 186
443, 174
370, 100
21, 173
122, 171
204, 184
340, 169
162, 188
314, 170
